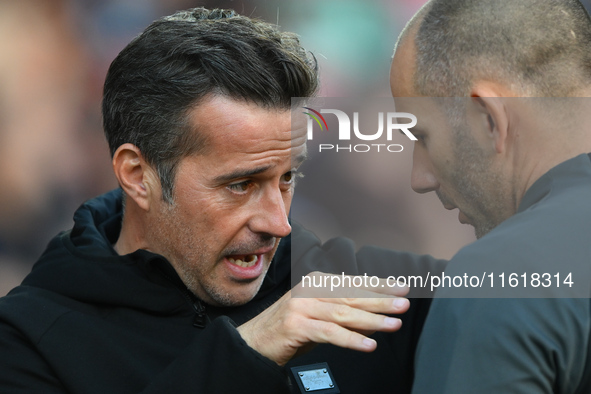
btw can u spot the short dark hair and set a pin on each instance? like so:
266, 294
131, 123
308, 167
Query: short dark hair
183, 58
539, 47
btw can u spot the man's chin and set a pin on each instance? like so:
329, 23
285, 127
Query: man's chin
463, 218
234, 294
230, 301
481, 230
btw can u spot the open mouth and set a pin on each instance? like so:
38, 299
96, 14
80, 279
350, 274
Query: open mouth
244, 261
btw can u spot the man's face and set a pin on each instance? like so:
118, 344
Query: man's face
449, 160
453, 158
231, 201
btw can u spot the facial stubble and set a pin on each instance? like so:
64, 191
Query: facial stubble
188, 254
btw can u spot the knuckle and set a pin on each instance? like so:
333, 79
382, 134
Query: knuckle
341, 312
330, 330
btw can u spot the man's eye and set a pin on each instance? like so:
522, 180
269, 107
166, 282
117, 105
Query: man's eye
291, 177
240, 187
288, 177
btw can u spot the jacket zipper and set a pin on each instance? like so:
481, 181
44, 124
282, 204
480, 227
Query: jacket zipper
200, 319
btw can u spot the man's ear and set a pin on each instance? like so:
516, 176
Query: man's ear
490, 101
136, 177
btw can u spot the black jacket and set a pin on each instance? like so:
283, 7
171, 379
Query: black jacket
87, 320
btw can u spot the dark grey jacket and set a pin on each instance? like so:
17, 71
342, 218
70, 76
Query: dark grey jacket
519, 345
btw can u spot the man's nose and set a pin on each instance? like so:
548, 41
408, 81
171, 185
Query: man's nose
422, 178
271, 215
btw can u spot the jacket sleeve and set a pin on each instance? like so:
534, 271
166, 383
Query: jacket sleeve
338, 256
216, 361
219, 361
50, 344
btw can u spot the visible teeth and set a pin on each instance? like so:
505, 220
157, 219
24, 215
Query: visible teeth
249, 261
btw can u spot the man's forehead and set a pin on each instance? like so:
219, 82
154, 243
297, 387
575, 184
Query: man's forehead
299, 127
242, 131
403, 69
402, 72
225, 118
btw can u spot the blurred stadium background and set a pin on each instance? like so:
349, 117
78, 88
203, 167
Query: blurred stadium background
54, 55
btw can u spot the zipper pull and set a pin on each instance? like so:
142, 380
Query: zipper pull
200, 319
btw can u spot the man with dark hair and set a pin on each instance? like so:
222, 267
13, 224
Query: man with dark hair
509, 150
178, 282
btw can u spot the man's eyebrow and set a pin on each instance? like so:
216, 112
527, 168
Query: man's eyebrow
240, 174
255, 171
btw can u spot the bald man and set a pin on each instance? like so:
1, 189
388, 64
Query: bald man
518, 170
